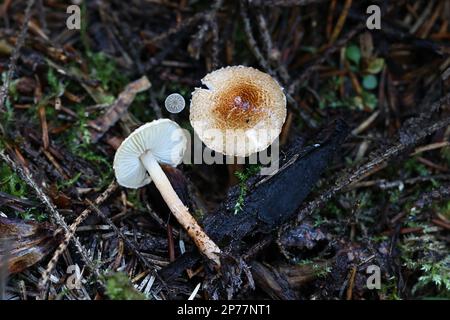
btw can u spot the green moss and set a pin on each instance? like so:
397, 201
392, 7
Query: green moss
78, 141
12, 184
119, 287
389, 290
133, 198
320, 269
68, 183
444, 209
243, 176
429, 258
329, 94
104, 69
414, 167
56, 86
319, 219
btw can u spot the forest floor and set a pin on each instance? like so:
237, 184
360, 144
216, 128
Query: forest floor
381, 206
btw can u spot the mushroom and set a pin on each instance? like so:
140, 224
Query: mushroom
136, 163
242, 111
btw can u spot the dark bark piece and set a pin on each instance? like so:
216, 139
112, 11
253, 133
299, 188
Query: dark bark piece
24, 243
272, 282
303, 237
271, 201
176, 268
281, 281
274, 199
299, 275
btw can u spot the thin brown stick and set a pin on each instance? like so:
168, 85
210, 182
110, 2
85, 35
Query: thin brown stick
15, 55
341, 21
55, 216
130, 245
351, 283
44, 127
69, 235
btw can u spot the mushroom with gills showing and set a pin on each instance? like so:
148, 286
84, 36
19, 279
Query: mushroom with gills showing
241, 112
136, 163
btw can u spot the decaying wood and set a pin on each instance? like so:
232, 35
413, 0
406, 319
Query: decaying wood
271, 282
272, 200
24, 243
282, 280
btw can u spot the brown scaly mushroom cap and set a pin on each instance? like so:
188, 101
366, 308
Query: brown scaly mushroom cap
241, 112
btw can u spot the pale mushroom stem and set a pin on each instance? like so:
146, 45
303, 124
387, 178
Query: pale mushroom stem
179, 210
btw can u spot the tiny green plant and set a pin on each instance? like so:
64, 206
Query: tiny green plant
104, 69
319, 269
243, 177
119, 287
428, 257
11, 183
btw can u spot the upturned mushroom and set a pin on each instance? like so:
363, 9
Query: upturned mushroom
136, 163
241, 112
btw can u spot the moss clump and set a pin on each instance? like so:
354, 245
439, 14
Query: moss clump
119, 287
243, 176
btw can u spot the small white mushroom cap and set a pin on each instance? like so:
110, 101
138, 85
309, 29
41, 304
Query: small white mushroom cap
242, 111
163, 138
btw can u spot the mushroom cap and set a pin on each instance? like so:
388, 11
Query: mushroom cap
163, 138
242, 111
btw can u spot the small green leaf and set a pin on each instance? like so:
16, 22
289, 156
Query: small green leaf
353, 54
375, 66
370, 82
370, 100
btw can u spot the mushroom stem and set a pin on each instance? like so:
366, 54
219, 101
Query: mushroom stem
179, 210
